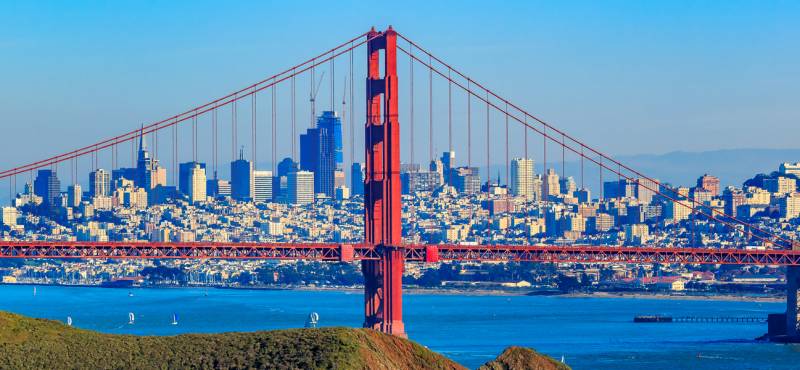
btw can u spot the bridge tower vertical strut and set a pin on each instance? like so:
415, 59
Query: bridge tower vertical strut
383, 304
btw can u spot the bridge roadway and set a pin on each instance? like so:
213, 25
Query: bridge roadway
413, 252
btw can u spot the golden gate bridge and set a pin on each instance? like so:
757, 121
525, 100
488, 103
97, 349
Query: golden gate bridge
383, 252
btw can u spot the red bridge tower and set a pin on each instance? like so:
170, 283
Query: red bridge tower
383, 302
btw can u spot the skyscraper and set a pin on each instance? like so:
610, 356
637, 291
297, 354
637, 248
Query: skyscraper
466, 179
280, 181
321, 153
99, 183
522, 177
448, 161
550, 184
262, 181
331, 122
74, 195
148, 173
242, 179
301, 187
357, 178
197, 190
185, 173
48, 187
710, 183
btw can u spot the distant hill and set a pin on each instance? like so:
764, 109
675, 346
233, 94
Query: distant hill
732, 166
27, 343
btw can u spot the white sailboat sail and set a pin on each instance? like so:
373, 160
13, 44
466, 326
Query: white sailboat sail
131, 318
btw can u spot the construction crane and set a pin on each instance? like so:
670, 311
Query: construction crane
313, 98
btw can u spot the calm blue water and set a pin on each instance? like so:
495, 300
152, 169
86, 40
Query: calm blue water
591, 333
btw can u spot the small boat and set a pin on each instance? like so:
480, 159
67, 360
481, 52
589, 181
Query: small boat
69, 320
312, 320
34, 291
174, 319
562, 359
130, 294
131, 318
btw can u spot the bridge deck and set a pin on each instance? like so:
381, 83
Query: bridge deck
416, 253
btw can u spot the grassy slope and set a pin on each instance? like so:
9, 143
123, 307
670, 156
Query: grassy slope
27, 343
519, 358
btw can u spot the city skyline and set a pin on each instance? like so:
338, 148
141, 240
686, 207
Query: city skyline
765, 24
476, 151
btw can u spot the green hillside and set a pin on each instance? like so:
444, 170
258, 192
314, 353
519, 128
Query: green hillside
520, 358
27, 343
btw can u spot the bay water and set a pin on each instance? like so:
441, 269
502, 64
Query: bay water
590, 333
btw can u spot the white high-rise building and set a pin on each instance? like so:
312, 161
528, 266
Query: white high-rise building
197, 184
522, 177
9, 218
550, 184
74, 195
301, 187
262, 186
790, 168
99, 183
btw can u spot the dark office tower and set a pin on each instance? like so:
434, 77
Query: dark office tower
448, 161
331, 122
318, 152
357, 179
242, 184
48, 187
185, 175
286, 166
99, 183
280, 180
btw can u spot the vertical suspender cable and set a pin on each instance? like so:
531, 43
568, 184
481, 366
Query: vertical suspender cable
294, 137
175, 152
582, 185
488, 149
274, 128
214, 142
234, 133
411, 98
544, 163
563, 159
430, 109
449, 120
469, 124
253, 128
194, 137
508, 171
352, 112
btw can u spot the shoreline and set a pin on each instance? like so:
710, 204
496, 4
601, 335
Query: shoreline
463, 292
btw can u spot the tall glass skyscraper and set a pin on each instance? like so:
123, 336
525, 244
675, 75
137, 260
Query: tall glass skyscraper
321, 152
242, 184
47, 186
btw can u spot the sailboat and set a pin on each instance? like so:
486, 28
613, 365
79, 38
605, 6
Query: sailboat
562, 359
131, 318
69, 320
34, 291
174, 319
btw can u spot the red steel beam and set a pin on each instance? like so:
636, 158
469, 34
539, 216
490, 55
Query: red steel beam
332, 252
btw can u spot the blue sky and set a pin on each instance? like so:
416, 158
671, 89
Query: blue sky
627, 76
